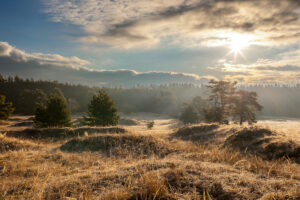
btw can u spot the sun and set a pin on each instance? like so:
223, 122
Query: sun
237, 43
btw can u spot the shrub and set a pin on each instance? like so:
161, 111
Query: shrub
6, 108
190, 115
54, 113
214, 114
150, 125
101, 111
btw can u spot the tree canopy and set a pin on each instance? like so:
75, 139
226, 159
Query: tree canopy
245, 104
53, 113
6, 108
101, 111
221, 93
194, 111
190, 115
228, 102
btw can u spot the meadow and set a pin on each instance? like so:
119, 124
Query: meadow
170, 161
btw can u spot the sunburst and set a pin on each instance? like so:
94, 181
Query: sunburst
237, 43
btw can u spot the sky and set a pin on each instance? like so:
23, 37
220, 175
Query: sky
129, 42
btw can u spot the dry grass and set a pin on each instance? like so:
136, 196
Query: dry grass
119, 145
13, 144
46, 134
134, 166
257, 140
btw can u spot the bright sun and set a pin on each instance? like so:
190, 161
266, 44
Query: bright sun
238, 42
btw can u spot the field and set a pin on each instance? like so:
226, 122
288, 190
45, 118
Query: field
204, 161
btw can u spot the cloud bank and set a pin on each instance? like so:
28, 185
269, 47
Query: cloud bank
74, 70
283, 71
143, 23
11, 53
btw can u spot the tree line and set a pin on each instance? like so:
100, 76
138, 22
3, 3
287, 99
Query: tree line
224, 102
170, 99
163, 99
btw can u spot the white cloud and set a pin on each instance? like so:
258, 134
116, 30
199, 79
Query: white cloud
285, 70
56, 67
8, 51
144, 24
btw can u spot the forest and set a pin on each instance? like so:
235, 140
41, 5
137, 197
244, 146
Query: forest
169, 99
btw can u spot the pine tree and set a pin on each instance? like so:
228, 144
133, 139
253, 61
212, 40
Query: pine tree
6, 108
28, 100
101, 111
54, 113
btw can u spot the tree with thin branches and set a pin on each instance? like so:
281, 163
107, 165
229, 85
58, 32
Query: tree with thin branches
221, 93
244, 106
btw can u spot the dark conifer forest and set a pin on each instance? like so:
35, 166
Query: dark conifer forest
277, 100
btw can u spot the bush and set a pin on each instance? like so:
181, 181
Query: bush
190, 115
54, 113
150, 125
101, 111
214, 114
6, 108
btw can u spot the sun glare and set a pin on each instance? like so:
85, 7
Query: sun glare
237, 43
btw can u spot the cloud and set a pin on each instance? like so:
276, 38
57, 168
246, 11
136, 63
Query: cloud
73, 70
139, 23
285, 70
11, 53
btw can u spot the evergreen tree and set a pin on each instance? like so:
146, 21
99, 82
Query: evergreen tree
1, 79
6, 108
28, 101
54, 113
245, 105
101, 111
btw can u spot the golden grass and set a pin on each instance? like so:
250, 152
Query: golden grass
188, 171
13, 144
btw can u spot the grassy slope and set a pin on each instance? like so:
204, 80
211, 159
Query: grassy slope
185, 170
